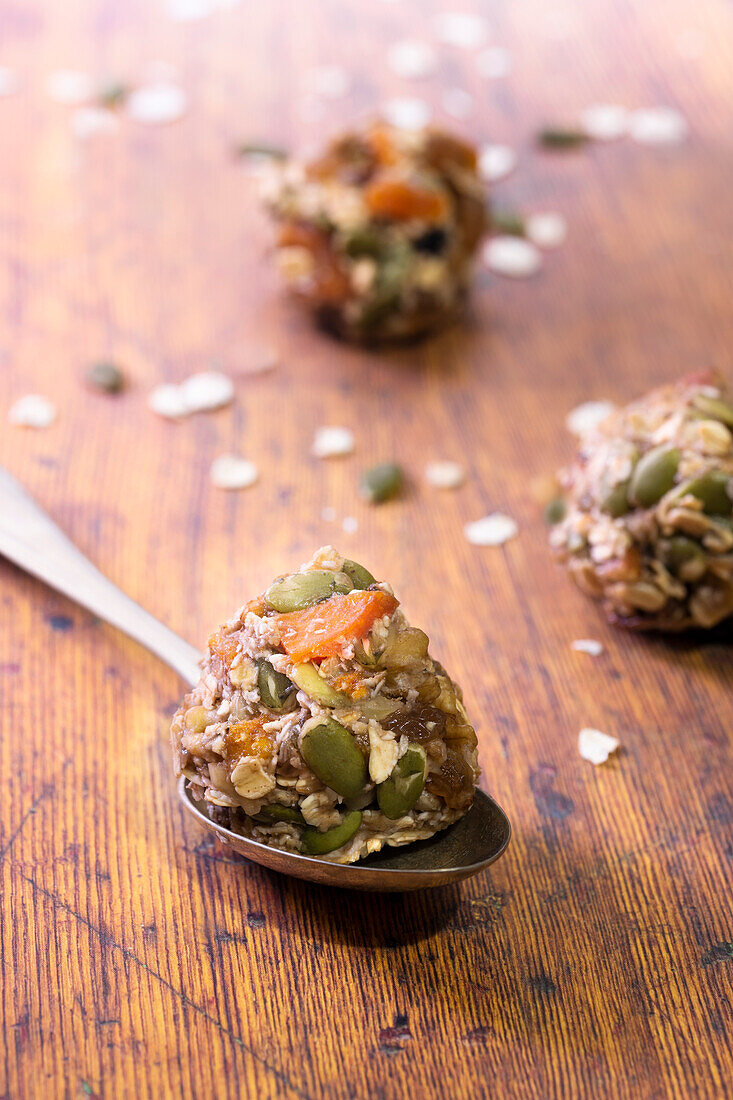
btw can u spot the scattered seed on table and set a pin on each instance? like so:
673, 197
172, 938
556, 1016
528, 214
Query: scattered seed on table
88, 122
493, 530
112, 94
381, 482
457, 103
407, 113
546, 230
8, 81
445, 475
554, 511
605, 121
494, 63
584, 418
350, 525
507, 222
658, 126
587, 645
32, 411
460, 29
106, 377
157, 104
495, 162
559, 137
512, 256
206, 391
596, 746
69, 86
232, 472
167, 400
332, 442
411, 59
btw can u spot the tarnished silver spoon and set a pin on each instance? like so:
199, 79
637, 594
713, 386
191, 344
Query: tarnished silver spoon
30, 539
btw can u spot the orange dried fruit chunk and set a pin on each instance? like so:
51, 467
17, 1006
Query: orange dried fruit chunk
248, 739
323, 630
401, 199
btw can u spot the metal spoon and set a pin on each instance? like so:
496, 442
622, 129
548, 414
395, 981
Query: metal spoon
30, 539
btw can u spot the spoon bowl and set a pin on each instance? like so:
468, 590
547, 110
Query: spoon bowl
455, 853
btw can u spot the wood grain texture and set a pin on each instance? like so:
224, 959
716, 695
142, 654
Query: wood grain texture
138, 958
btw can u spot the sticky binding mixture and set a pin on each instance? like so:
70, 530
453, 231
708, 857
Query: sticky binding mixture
322, 725
378, 234
648, 528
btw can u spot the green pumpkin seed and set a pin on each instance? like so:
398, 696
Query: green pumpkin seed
712, 489
105, 377
274, 687
333, 755
653, 475
559, 137
714, 408
555, 511
615, 500
381, 482
359, 576
283, 813
316, 843
309, 680
260, 150
506, 221
684, 557
398, 794
299, 590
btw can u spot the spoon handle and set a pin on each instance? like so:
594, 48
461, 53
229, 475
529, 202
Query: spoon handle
30, 539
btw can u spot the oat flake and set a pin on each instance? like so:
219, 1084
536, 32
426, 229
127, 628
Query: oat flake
546, 230
495, 162
232, 472
407, 114
493, 530
587, 645
411, 59
605, 121
512, 256
207, 390
586, 417
460, 29
658, 126
158, 103
350, 524
445, 475
32, 411
595, 746
69, 86
332, 442
494, 63
167, 400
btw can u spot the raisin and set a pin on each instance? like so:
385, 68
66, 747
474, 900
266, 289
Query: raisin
421, 724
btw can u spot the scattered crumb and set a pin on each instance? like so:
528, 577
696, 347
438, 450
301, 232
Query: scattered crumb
445, 475
546, 230
494, 63
8, 81
207, 390
411, 59
328, 514
69, 86
157, 103
595, 746
87, 122
587, 645
658, 126
350, 524
584, 418
32, 411
460, 29
512, 256
407, 114
329, 81
457, 103
605, 121
231, 472
331, 442
496, 161
167, 400
493, 530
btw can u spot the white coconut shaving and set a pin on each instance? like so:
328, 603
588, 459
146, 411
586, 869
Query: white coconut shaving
547, 230
596, 746
586, 417
332, 442
350, 525
512, 257
495, 162
605, 121
32, 411
89, 122
445, 474
457, 103
493, 530
158, 103
494, 63
412, 59
69, 86
587, 645
208, 390
407, 113
461, 29
232, 472
658, 126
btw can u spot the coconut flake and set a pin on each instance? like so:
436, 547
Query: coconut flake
494, 63
411, 59
232, 472
329, 81
457, 103
445, 475
350, 524
496, 161
207, 390
167, 400
32, 411
512, 256
658, 126
587, 645
328, 514
407, 113
332, 442
460, 29
595, 746
586, 417
8, 81
158, 103
546, 230
69, 86
88, 122
493, 530
605, 121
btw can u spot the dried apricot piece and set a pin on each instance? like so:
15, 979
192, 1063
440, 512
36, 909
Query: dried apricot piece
401, 199
324, 630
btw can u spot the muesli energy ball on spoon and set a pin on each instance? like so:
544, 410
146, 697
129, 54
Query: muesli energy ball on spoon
649, 500
378, 234
322, 725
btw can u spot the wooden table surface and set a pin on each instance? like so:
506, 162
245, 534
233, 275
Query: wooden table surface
139, 958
